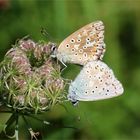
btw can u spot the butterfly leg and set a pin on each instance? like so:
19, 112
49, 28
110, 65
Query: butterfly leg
75, 103
63, 64
69, 81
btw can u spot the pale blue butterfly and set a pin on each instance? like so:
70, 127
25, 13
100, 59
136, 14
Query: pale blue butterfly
96, 81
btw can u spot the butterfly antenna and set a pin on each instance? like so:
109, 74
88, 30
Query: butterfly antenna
45, 33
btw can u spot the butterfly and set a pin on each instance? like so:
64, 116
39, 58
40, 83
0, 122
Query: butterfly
84, 45
96, 81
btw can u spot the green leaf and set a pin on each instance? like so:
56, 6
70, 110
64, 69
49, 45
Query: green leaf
1, 127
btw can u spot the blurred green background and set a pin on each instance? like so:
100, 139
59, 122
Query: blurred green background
113, 119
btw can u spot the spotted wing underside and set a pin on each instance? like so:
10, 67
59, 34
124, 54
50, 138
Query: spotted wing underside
84, 45
96, 81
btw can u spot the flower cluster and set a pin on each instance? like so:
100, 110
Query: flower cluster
29, 78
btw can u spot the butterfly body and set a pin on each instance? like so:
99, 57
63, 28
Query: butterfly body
84, 45
96, 81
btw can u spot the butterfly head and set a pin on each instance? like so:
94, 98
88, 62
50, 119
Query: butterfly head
72, 97
73, 100
53, 49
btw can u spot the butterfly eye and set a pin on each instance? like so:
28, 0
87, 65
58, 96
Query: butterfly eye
53, 47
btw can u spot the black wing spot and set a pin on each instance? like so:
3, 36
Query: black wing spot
67, 45
73, 50
72, 40
78, 40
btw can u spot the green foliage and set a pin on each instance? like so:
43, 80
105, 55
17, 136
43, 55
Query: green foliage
112, 119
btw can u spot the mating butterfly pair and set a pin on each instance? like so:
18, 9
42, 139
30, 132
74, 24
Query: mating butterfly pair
96, 80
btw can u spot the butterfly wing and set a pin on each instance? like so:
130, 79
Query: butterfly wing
96, 81
84, 45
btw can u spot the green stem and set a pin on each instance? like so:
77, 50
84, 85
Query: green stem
27, 124
16, 128
9, 123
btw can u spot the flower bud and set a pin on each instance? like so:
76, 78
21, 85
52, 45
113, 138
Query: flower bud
30, 78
